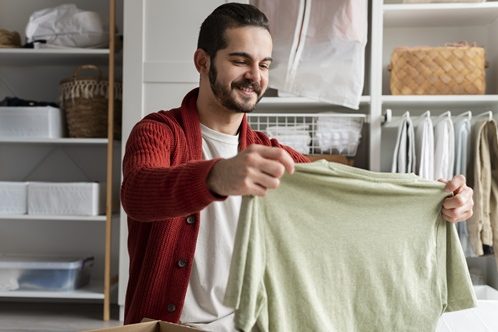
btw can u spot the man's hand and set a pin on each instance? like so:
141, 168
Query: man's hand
251, 172
459, 206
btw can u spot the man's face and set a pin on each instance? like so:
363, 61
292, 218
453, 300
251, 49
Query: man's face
239, 73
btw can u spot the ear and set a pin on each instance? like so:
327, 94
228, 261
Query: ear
202, 61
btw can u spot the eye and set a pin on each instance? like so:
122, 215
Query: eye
239, 62
264, 66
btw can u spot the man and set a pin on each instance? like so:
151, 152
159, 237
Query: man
185, 171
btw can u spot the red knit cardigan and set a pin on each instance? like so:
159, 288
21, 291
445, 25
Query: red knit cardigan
164, 188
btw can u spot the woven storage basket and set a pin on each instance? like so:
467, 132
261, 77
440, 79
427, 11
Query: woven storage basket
447, 70
84, 101
9, 39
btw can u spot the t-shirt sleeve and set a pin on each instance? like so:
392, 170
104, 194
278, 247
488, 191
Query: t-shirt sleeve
245, 289
460, 293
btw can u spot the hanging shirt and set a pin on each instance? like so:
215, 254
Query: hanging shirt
462, 151
204, 306
319, 48
336, 248
424, 144
404, 157
483, 178
444, 148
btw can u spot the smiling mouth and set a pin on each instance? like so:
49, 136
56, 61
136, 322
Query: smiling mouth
247, 90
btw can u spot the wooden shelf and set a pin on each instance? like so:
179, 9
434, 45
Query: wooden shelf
52, 218
94, 290
440, 14
25, 56
33, 140
448, 101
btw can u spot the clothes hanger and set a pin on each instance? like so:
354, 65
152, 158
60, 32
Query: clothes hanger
467, 114
489, 114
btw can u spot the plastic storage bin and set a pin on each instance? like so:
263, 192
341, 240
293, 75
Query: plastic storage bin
37, 122
13, 198
19, 272
66, 198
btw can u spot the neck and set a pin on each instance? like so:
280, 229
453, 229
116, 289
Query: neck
215, 116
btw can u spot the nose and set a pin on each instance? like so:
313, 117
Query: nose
253, 73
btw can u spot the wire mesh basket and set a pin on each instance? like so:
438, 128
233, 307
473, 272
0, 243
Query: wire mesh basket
313, 134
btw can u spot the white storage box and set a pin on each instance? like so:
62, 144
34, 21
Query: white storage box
38, 122
66, 198
19, 272
13, 198
482, 318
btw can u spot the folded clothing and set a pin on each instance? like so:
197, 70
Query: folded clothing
339, 134
297, 137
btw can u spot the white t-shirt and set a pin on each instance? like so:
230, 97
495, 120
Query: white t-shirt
204, 306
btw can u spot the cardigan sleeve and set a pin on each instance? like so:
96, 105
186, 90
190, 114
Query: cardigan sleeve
158, 180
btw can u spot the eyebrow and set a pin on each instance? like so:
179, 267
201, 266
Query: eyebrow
246, 55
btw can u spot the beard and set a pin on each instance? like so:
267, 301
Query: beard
224, 95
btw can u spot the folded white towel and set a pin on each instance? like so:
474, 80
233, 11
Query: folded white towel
297, 137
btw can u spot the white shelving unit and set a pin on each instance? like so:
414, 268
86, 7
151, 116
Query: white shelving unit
433, 24
93, 291
68, 141
52, 218
35, 74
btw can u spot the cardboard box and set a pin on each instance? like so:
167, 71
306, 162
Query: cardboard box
150, 326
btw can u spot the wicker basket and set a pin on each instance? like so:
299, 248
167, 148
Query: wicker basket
447, 70
9, 39
84, 101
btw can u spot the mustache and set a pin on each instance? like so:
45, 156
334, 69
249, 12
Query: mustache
248, 84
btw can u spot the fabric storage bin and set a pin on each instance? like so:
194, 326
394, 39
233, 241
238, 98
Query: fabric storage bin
36, 121
66, 198
13, 198
445, 70
44, 273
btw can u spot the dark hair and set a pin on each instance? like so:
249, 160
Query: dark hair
229, 15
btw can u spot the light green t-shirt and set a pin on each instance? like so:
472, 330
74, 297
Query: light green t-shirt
336, 248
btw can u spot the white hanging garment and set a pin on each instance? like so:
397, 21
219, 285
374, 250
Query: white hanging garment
462, 145
404, 158
444, 148
319, 48
424, 143
462, 151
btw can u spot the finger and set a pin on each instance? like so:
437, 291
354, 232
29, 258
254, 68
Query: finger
454, 215
266, 181
272, 168
462, 198
456, 184
277, 154
458, 200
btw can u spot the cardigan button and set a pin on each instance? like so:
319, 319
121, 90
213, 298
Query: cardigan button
190, 220
181, 263
171, 307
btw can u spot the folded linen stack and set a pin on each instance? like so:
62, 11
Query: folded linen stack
339, 134
296, 136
